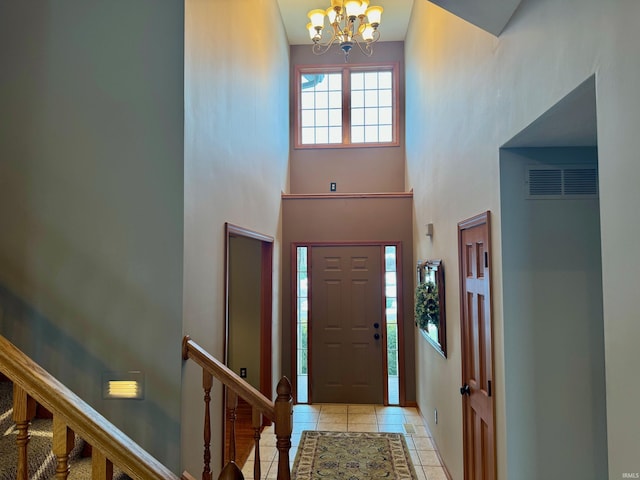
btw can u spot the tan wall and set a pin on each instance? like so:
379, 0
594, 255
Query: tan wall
350, 220
312, 170
236, 153
245, 256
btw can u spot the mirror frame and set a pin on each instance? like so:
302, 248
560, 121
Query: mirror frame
434, 270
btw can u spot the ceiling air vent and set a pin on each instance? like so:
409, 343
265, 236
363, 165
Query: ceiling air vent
547, 182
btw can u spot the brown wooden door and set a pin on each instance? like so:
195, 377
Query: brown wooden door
477, 351
346, 305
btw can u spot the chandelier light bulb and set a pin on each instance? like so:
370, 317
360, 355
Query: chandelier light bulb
317, 18
374, 14
312, 31
367, 33
364, 4
331, 15
352, 7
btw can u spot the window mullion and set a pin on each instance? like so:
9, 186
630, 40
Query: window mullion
346, 106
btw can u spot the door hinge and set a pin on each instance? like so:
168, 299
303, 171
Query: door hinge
489, 388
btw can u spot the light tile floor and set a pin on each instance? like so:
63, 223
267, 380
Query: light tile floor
354, 418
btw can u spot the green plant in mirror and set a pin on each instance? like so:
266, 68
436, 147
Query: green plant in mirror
427, 305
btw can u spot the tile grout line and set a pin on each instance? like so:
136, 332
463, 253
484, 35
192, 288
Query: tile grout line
421, 469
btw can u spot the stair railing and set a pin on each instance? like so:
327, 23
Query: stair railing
279, 412
71, 416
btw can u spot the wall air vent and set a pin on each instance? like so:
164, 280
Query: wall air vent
561, 182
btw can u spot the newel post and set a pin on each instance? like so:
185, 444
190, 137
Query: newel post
283, 426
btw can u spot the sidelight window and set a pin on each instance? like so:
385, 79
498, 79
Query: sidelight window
391, 316
302, 325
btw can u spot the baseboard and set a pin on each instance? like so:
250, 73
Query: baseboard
435, 445
444, 466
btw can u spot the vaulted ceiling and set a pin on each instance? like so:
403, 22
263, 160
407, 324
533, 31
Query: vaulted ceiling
572, 122
490, 15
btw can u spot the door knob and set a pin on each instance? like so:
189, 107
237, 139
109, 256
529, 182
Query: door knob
376, 336
465, 390
376, 325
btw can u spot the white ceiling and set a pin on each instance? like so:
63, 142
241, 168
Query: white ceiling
490, 15
395, 18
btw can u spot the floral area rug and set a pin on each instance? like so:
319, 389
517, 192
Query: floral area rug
352, 456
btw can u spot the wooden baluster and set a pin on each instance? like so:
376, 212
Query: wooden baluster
283, 426
101, 467
207, 382
24, 409
63, 438
232, 406
256, 421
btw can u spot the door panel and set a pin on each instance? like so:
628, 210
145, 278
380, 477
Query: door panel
477, 350
346, 302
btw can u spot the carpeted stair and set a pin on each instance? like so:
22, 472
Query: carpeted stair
42, 461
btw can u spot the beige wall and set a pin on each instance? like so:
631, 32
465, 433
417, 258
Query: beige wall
91, 200
467, 94
350, 220
312, 170
245, 256
236, 154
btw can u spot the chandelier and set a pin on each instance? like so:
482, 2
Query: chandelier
352, 21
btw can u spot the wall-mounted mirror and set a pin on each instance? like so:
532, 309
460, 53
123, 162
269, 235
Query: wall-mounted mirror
429, 304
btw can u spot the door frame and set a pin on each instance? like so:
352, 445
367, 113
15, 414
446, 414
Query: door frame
266, 301
400, 297
476, 221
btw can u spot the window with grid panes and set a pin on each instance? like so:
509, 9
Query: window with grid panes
346, 106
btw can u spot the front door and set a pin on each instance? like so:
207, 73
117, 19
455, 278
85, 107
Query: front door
346, 324
477, 351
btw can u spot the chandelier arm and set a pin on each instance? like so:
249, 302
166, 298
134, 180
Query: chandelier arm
366, 49
321, 48
336, 28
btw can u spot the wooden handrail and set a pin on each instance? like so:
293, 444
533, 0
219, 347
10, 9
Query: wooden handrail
80, 417
279, 412
191, 350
